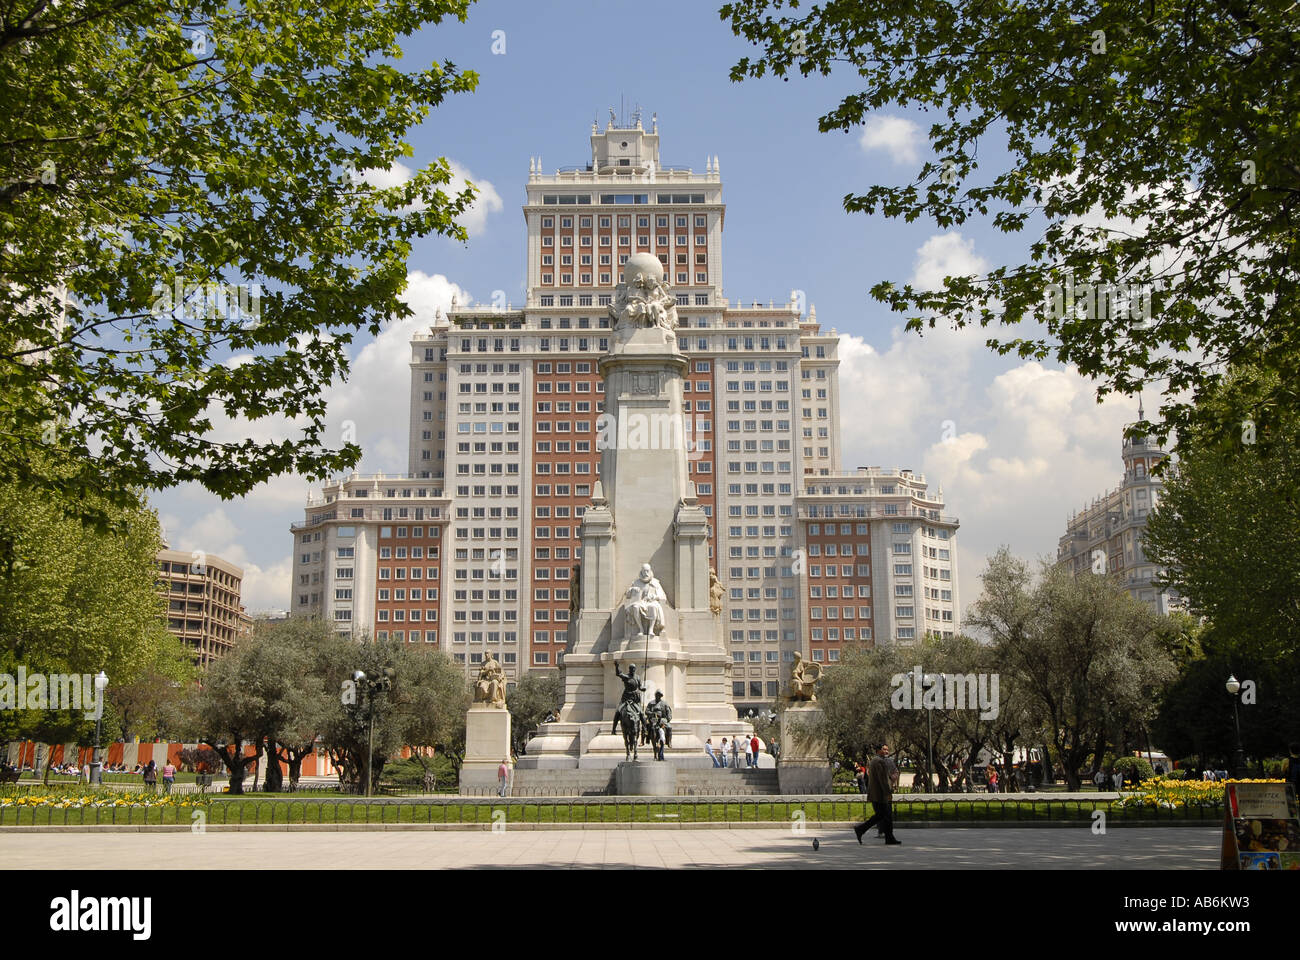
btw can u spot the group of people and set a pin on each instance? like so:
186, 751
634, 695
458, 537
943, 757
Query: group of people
729, 754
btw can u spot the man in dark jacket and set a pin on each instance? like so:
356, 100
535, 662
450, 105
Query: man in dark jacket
882, 777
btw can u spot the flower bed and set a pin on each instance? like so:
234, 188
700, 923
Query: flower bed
1173, 794
68, 799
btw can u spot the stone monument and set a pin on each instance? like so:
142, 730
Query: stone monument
487, 730
646, 597
804, 767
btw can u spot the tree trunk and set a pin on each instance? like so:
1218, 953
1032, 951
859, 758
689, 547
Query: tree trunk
273, 782
295, 767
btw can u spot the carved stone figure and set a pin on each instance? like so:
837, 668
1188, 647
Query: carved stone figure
643, 602
803, 677
715, 593
575, 591
644, 299
490, 687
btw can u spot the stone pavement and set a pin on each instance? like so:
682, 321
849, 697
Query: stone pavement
931, 848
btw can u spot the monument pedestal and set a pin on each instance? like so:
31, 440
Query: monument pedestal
487, 743
803, 767
646, 778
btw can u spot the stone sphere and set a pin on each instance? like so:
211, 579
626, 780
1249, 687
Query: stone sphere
646, 263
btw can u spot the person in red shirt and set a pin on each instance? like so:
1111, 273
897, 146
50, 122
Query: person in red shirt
753, 746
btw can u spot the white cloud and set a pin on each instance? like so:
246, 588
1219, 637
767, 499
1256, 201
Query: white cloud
1017, 446
898, 136
474, 220
946, 255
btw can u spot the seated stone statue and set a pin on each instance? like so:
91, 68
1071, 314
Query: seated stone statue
490, 687
643, 602
803, 678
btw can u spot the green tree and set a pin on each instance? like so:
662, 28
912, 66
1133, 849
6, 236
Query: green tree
1227, 527
534, 697
432, 702
1195, 717
77, 601
1086, 656
424, 707
1142, 141
158, 145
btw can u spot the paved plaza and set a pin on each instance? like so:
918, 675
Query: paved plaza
933, 848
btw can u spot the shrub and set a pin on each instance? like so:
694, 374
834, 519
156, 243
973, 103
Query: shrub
1134, 768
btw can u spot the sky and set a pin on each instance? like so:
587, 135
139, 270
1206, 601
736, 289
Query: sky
1017, 446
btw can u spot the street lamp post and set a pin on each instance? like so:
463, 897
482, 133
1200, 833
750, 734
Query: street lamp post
373, 685
1239, 754
96, 764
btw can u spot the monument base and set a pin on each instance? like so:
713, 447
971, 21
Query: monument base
590, 746
487, 743
646, 778
804, 768
803, 777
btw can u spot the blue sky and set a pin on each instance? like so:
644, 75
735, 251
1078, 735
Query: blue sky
1017, 446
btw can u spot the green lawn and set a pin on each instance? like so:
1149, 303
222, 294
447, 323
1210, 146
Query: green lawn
272, 809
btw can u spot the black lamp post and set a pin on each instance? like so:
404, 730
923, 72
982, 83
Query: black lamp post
96, 764
1238, 754
373, 685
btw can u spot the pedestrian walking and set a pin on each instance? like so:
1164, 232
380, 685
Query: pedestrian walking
503, 777
735, 752
754, 747
860, 775
882, 777
151, 776
723, 751
991, 775
1291, 772
1099, 778
169, 776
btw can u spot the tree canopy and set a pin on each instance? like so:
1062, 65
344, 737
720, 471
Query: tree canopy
74, 600
1147, 142
160, 163
1227, 527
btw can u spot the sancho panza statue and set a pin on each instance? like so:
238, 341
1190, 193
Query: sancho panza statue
643, 611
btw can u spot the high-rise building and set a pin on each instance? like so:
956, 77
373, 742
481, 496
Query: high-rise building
505, 436
1106, 536
203, 606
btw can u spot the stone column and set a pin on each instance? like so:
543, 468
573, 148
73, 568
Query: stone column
487, 743
802, 767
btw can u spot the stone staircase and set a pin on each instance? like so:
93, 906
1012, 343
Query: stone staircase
727, 782
691, 782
